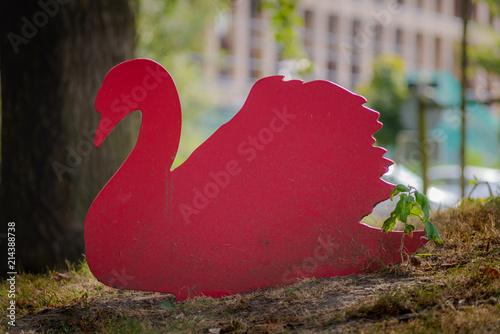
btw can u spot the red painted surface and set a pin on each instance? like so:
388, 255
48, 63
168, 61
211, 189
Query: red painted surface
274, 195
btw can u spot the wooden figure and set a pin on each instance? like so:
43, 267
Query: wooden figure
274, 195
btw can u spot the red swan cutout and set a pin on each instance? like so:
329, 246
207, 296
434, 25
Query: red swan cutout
274, 195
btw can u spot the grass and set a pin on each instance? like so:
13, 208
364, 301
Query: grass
452, 288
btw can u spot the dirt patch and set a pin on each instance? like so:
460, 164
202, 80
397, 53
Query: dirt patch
322, 298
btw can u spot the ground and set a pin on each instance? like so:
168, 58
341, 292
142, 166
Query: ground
442, 289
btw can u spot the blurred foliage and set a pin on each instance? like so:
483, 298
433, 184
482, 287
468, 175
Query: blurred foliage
386, 92
166, 27
494, 6
172, 33
487, 53
285, 21
487, 58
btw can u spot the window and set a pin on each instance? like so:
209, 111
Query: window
332, 47
355, 71
332, 32
332, 70
224, 32
254, 8
358, 40
256, 39
473, 11
333, 25
439, 6
420, 49
356, 52
471, 8
308, 19
438, 47
399, 41
458, 8
355, 28
308, 32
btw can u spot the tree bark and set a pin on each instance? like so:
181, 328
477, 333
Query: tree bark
54, 55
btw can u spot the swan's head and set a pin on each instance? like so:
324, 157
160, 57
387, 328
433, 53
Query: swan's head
126, 88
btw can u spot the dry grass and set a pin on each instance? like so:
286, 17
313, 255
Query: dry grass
448, 289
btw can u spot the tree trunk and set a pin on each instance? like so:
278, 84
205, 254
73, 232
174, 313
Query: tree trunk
54, 55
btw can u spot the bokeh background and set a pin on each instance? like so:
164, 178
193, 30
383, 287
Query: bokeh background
430, 67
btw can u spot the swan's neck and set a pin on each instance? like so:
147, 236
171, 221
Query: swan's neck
159, 136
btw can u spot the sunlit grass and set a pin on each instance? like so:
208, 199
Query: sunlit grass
443, 289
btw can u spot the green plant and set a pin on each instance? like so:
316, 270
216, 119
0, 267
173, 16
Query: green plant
475, 183
412, 203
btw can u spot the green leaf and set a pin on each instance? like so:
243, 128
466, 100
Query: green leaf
424, 204
388, 224
409, 229
421, 199
409, 199
403, 188
395, 191
167, 305
402, 209
399, 188
432, 233
415, 211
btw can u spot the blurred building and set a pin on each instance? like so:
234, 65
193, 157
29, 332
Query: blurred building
342, 38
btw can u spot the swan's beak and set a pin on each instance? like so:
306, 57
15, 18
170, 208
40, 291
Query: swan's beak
105, 126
